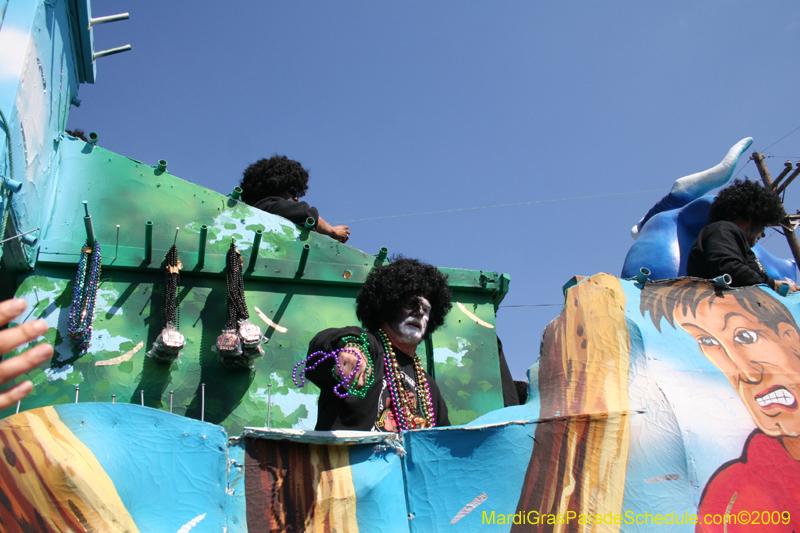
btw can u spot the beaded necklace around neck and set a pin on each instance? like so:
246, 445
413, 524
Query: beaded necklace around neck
394, 379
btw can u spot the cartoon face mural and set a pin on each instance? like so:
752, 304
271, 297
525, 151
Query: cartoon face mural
754, 340
761, 369
750, 336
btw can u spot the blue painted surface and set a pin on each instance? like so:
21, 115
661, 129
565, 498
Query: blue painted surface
446, 469
40, 43
167, 469
378, 482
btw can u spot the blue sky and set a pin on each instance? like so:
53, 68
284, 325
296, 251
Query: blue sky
416, 107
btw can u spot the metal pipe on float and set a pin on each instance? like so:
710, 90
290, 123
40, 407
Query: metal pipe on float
310, 223
643, 275
93, 137
30, 241
201, 251
112, 51
162, 165
202, 402
382, 253
254, 251
236, 193
148, 241
110, 18
11, 185
724, 281
87, 222
301, 268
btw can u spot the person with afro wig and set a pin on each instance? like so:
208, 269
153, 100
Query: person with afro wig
274, 185
376, 380
737, 219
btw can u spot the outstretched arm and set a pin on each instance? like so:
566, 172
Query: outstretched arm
25, 362
340, 233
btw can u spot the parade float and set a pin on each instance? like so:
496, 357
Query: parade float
140, 422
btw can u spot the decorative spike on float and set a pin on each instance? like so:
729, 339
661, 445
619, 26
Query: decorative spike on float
110, 18
254, 251
201, 250
643, 275
87, 222
112, 51
724, 281
301, 267
148, 241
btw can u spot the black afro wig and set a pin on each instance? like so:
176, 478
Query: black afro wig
747, 201
270, 177
388, 288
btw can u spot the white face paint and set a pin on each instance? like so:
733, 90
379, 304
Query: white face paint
413, 323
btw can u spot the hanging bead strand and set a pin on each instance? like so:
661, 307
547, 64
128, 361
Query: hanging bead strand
87, 281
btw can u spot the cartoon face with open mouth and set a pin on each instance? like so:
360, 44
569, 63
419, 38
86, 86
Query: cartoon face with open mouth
762, 364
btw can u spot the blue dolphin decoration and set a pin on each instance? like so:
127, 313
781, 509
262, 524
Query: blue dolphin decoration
667, 232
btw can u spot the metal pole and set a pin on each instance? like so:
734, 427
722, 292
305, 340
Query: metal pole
77, 390
202, 402
148, 241
170, 401
269, 404
791, 236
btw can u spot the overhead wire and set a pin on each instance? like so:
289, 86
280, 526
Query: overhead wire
779, 140
504, 205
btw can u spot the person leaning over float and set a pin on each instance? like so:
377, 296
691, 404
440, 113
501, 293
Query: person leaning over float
737, 219
275, 185
372, 379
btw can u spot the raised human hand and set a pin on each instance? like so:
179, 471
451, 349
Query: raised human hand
348, 359
12, 338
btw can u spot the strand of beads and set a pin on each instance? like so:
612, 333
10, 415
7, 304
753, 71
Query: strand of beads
173, 278
400, 408
353, 389
169, 343
425, 393
400, 405
341, 389
240, 351
361, 343
87, 280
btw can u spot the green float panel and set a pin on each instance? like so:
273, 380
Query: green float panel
302, 281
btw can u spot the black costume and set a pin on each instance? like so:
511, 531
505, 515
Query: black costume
721, 248
297, 212
372, 413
